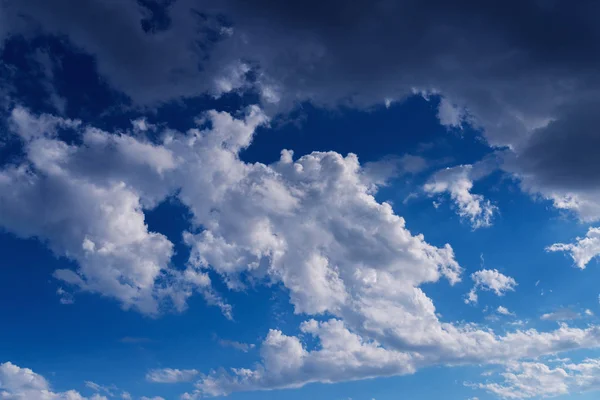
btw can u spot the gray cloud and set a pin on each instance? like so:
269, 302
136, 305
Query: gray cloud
562, 155
524, 71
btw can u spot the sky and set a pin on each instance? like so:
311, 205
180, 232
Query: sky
389, 199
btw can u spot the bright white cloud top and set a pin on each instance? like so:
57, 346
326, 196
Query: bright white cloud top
490, 280
458, 182
18, 383
583, 250
311, 224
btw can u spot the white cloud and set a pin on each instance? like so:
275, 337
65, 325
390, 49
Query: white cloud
286, 363
533, 379
170, 375
18, 383
583, 250
343, 355
100, 388
310, 224
563, 314
504, 311
458, 182
490, 280
94, 214
526, 380
98, 223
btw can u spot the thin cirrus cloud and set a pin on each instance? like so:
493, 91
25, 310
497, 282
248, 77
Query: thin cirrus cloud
563, 314
170, 375
243, 347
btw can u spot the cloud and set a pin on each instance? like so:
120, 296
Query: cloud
310, 224
583, 250
342, 355
95, 215
149, 65
244, 347
65, 297
504, 311
380, 172
533, 379
170, 375
556, 162
99, 388
458, 182
286, 363
498, 75
450, 115
563, 314
18, 383
490, 280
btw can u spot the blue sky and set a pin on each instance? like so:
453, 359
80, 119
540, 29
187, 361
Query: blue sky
219, 200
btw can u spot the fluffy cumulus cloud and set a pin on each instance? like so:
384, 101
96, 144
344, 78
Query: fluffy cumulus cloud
526, 380
342, 356
490, 280
94, 215
458, 183
286, 362
311, 224
56, 197
18, 383
583, 250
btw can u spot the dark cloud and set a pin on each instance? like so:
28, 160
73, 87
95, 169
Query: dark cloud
511, 63
152, 51
501, 53
514, 65
564, 154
